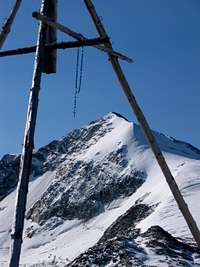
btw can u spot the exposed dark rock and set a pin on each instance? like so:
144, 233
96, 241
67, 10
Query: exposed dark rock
49, 157
125, 224
9, 170
119, 252
82, 189
122, 245
165, 244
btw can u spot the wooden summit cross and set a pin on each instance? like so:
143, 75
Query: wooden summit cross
45, 61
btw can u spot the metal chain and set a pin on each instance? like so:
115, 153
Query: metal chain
81, 70
78, 77
77, 67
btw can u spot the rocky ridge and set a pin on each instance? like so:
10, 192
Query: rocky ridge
123, 245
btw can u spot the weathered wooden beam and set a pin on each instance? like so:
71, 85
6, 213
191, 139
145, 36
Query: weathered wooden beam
26, 156
78, 36
49, 65
61, 45
7, 25
147, 130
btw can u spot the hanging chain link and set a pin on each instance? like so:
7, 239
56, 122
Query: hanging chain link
81, 70
77, 67
78, 76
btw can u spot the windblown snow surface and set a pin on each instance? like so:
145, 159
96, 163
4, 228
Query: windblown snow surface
56, 239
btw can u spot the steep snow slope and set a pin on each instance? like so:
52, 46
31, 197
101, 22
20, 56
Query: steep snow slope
82, 183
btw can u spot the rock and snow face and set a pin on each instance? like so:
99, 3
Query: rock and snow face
100, 188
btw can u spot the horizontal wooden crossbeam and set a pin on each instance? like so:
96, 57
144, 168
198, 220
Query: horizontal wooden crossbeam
61, 45
77, 36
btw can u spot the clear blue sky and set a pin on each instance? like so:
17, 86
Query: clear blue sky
162, 37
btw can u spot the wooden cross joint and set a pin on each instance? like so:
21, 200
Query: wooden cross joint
78, 36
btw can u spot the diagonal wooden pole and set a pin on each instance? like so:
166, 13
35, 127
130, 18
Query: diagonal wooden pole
147, 131
26, 157
7, 25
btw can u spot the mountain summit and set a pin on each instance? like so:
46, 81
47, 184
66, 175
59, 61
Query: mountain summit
98, 198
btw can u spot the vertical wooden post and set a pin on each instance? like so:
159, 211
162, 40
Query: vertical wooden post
7, 25
147, 131
26, 157
50, 53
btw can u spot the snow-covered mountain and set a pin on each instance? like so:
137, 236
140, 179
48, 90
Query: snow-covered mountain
98, 198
